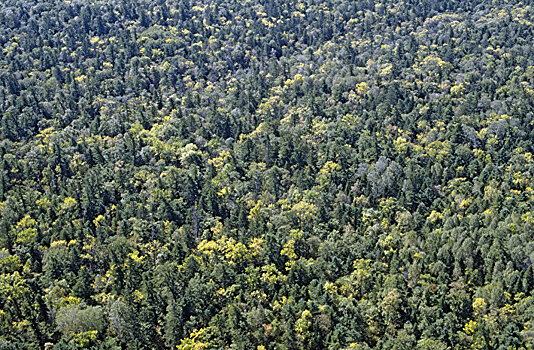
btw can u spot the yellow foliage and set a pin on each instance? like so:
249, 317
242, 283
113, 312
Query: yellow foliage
304, 211
470, 327
457, 90
479, 305
43, 203
219, 161
328, 168
528, 217
137, 296
26, 230
135, 257
435, 216
233, 252
69, 203
83, 339
330, 287
217, 229
434, 62
438, 149
81, 78
361, 88
58, 243
196, 341
255, 211
224, 191
465, 203
289, 247
303, 324
99, 220
401, 145
270, 274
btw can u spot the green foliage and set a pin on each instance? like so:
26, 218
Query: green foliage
266, 174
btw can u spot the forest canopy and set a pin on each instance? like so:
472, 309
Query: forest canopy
266, 174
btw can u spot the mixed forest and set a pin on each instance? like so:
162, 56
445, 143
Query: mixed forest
266, 174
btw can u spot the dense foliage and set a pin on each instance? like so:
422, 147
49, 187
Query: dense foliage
266, 174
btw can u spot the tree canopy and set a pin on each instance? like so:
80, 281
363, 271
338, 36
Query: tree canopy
266, 174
